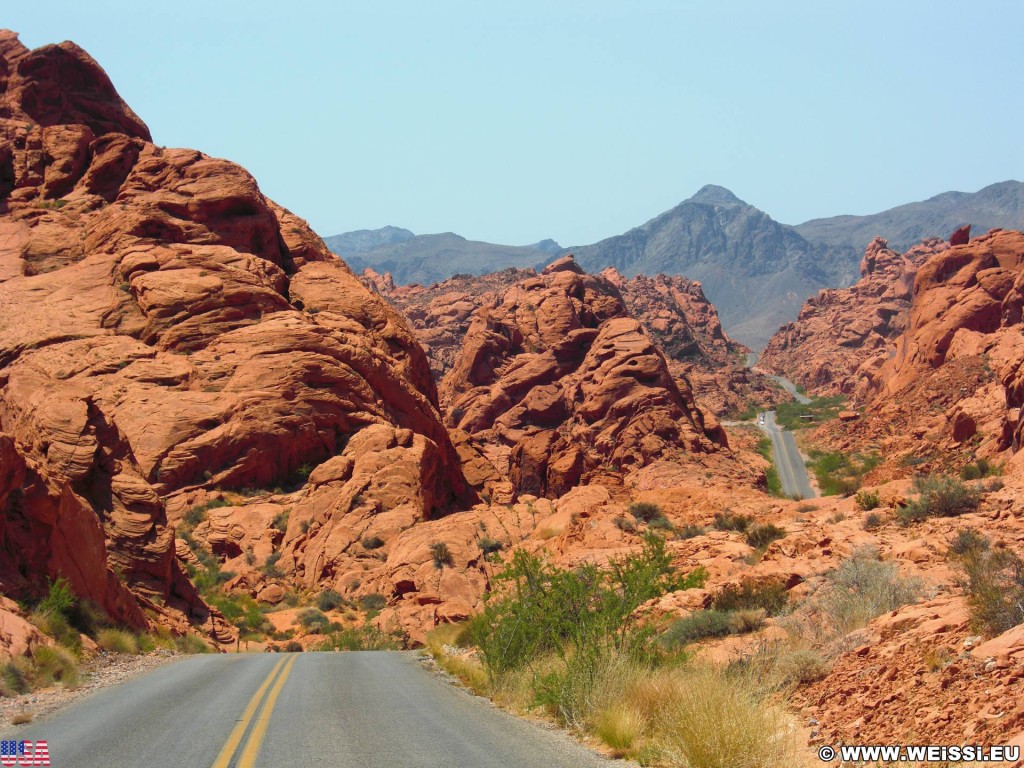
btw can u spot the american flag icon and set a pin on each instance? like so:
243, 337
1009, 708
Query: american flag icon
24, 753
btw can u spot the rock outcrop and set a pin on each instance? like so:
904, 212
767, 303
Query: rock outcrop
556, 385
164, 326
843, 336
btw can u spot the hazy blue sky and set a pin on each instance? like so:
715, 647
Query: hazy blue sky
571, 119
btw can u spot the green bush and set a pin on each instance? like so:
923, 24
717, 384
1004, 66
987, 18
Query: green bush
645, 511
293, 646
769, 595
280, 521
995, 589
313, 621
579, 614
867, 500
968, 542
761, 535
329, 600
939, 497
789, 415
690, 531
365, 638
624, 524
872, 521
441, 555
270, 566
698, 626
979, 469
372, 542
372, 602
727, 521
489, 546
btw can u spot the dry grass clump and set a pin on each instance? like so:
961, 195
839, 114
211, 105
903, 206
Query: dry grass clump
117, 641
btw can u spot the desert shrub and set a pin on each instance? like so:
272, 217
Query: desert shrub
441, 555
645, 511
270, 566
191, 644
329, 600
365, 638
56, 625
620, 727
939, 497
313, 621
117, 641
805, 508
489, 546
372, 542
800, 665
967, 542
55, 664
868, 500
241, 611
979, 469
769, 596
727, 521
690, 531
863, 587
698, 625
761, 535
372, 602
995, 589
661, 524
15, 676
59, 598
280, 521
624, 524
873, 520
195, 515
293, 646
579, 614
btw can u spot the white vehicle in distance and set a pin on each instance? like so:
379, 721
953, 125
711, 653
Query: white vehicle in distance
760, 419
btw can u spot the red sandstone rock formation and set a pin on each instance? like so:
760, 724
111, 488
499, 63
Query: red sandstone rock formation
843, 335
164, 326
555, 384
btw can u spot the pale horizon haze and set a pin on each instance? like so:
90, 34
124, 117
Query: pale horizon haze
514, 122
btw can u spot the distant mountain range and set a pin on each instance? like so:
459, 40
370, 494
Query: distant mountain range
428, 259
756, 271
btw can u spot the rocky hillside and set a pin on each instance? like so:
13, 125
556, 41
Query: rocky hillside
843, 335
166, 328
673, 311
556, 385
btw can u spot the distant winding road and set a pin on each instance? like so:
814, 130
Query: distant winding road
342, 710
788, 461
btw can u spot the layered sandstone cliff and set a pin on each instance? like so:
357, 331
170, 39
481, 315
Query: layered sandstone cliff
165, 327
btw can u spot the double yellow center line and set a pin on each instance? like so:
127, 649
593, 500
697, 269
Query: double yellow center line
259, 730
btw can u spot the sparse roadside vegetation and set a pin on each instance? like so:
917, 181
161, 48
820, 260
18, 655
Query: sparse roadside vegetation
840, 474
793, 415
569, 643
774, 483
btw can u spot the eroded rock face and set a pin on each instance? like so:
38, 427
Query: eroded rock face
842, 336
555, 384
164, 326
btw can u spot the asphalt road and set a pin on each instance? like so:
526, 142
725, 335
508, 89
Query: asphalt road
343, 710
788, 461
